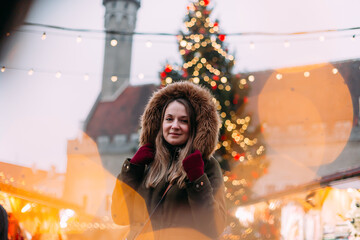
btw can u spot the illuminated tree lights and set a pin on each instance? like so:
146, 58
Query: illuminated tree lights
206, 61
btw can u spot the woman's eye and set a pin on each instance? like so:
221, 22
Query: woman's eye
184, 121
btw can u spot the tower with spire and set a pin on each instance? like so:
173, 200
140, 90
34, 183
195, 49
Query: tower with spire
110, 131
120, 22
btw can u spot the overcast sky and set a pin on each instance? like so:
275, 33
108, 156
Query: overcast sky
40, 112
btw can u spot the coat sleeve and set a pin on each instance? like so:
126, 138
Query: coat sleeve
207, 200
127, 205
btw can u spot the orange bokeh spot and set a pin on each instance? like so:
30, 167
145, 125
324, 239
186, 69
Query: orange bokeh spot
307, 117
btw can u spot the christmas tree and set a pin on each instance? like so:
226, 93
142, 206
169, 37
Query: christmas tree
206, 61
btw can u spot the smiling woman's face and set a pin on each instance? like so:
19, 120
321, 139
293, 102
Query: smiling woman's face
176, 123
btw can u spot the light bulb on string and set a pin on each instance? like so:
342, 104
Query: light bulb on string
114, 78
31, 72
321, 38
286, 44
79, 39
141, 76
58, 74
335, 70
43, 36
3, 69
148, 44
113, 42
251, 78
279, 76
252, 45
353, 37
306, 74
86, 77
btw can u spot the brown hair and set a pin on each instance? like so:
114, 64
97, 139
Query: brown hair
160, 168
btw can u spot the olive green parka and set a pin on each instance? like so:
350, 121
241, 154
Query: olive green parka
194, 212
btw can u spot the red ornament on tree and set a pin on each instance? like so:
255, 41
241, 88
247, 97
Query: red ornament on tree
206, 2
216, 78
216, 24
238, 156
214, 87
236, 99
222, 37
162, 74
246, 99
168, 68
223, 137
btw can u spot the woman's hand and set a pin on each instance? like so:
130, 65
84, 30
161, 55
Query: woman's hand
194, 165
144, 155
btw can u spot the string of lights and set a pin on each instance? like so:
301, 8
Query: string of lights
173, 34
85, 76
150, 43
140, 76
291, 37
267, 37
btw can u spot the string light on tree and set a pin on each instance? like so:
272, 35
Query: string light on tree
3, 69
251, 78
31, 72
206, 62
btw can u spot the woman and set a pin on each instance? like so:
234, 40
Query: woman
173, 188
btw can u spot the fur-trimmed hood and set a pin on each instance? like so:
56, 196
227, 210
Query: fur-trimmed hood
207, 118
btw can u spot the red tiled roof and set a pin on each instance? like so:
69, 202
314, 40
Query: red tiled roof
122, 115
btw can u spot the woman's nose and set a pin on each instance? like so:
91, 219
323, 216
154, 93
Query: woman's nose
175, 124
